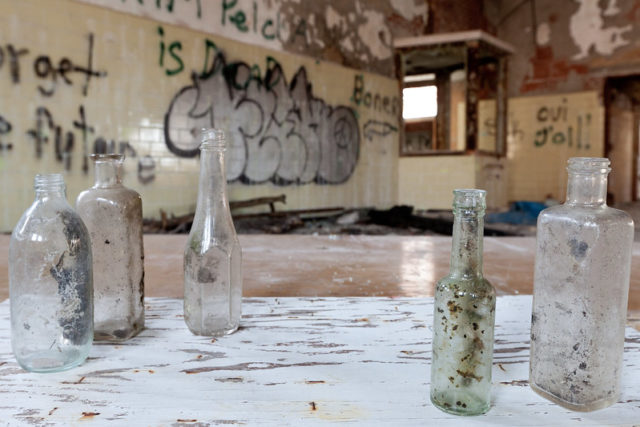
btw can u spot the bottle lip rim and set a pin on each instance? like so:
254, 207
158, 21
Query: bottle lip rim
469, 199
48, 180
212, 138
588, 165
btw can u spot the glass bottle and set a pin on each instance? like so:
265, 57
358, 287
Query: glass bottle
50, 282
581, 286
464, 316
113, 216
212, 257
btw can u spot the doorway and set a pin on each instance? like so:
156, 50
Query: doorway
622, 129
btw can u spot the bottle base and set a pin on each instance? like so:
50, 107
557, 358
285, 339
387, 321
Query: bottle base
457, 408
215, 332
50, 361
587, 407
116, 334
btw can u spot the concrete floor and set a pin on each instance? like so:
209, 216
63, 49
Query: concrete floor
341, 265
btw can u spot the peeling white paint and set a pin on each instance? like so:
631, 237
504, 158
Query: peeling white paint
409, 9
543, 34
375, 34
612, 8
333, 18
296, 361
587, 30
346, 44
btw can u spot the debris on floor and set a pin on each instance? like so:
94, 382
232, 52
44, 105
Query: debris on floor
399, 220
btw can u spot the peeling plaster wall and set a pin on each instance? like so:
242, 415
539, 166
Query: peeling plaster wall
356, 34
77, 79
569, 45
564, 51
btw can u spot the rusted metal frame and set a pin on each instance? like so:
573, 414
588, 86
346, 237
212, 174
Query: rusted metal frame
635, 148
473, 86
400, 70
502, 106
443, 118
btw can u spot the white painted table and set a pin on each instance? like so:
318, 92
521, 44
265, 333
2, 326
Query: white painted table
296, 361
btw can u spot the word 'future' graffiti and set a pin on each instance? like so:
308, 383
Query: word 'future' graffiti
555, 128
276, 131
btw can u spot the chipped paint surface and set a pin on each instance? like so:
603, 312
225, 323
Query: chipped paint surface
376, 33
574, 46
588, 30
409, 9
543, 34
295, 361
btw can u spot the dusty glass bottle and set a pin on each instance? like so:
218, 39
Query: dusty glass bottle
113, 216
464, 316
50, 289
581, 286
212, 257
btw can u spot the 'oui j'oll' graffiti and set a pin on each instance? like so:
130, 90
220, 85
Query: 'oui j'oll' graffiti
277, 131
555, 128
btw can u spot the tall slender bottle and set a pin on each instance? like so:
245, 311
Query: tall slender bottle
50, 289
464, 316
113, 215
581, 286
213, 257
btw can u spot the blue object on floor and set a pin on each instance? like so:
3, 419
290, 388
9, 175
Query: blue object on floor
521, 213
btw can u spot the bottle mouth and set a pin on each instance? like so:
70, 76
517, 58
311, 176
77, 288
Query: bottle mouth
49, 181
211, 138
112, 157
588, 165
469, 199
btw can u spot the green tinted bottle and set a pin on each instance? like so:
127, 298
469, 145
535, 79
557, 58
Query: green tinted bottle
464, 317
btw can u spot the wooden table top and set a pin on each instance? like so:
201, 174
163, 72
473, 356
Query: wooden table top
294, 361
343, 265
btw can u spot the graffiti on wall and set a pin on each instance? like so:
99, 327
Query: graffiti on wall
554, 121
56, 75
554, 127
278, 131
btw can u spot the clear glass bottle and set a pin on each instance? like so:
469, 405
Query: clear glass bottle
581, 286
464, 317
50, 288
113, 216
212, 257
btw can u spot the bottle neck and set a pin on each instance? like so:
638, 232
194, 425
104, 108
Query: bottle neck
50, 186
212, 190
466, 248
587, 189
107, 173
51, 193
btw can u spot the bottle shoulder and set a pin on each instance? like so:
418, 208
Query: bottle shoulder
476, 286
120, 199
223, 245
50, 223
572, 216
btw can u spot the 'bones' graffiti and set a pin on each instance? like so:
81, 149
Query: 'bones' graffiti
275, 131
